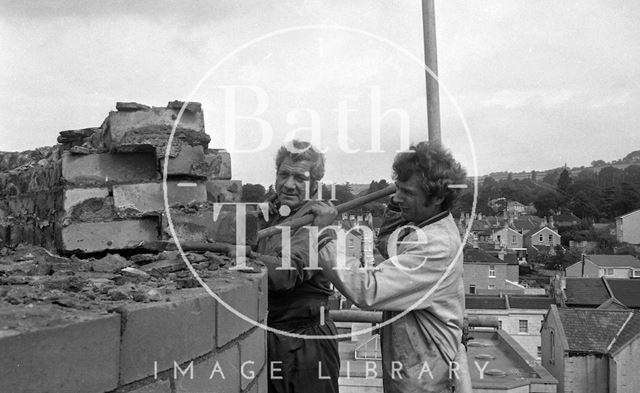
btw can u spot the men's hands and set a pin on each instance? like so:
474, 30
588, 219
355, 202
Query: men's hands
325, 214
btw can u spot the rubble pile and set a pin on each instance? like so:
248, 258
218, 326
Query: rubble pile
32, 275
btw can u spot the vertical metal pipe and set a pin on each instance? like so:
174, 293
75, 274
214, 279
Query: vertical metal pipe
431, 60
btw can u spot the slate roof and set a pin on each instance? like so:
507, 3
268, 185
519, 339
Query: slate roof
615, 260
585, 292
530, 302
626, 290
628, 334
590, 330
482, 302
526, 224
478, 255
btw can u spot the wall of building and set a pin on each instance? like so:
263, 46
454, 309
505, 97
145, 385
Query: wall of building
628, 228
586, 374
590, 270
624, 374
478, 274
545, 232
510, 321
553, 354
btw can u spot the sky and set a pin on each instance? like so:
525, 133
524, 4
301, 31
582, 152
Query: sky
539, 84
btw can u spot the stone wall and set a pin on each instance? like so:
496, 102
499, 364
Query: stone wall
100, 189
187, 343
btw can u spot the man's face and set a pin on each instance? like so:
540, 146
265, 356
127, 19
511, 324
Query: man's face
291, 182
416, 206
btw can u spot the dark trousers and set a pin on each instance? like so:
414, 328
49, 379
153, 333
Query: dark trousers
299, 365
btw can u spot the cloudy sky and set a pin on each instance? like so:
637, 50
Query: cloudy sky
539, 83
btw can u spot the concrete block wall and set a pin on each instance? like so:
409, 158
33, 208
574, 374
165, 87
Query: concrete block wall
100, 189
188, 343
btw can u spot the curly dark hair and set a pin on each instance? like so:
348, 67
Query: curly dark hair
437, 167
302, 151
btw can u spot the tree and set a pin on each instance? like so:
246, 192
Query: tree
551, 178
547, 203
564, 181
598, 163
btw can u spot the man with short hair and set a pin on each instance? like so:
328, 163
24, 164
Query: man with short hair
297, 297
419, 287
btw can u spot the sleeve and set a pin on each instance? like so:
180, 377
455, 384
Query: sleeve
283, 280
395, 284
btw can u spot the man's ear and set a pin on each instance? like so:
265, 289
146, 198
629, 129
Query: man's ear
435, 201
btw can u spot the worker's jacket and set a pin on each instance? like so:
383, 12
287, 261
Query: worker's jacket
296, 294
421, 293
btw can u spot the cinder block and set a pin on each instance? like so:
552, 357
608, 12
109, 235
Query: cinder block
146, 198
208, 375
102, 169
154, 387
111, 235
218, 164
189, 161
143, 129
224, 190
253, 354
179, 330
240, 295
189, 226
76, 353
198, 225
74, 196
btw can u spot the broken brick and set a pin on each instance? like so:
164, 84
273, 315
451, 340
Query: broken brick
146, 198
112, 235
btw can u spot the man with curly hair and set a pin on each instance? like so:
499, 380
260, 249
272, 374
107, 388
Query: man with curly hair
419, 287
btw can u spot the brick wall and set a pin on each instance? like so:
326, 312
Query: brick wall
100, 189
188, 343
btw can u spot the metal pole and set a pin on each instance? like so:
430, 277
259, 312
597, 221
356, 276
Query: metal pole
431, 61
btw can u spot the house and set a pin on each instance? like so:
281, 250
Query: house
592, 350
544, 236
593, 292
507, 237
515, 207
487, 274
628, 227
619, 266
518, 315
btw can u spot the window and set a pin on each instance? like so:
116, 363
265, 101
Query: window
550, 238
491, 286
523, 326
608, 271
472, 289
350, 243
539, 352
513, 240
552, 343
492, 270
500, 325
636, 273
540, 237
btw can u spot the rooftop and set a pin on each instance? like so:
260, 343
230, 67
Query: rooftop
585, 291
597, 330
478, 255
615, 260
